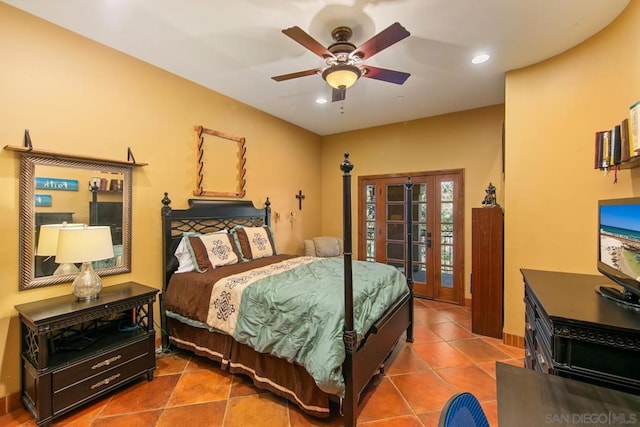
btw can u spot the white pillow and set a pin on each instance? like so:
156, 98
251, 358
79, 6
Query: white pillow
185, 263
183, 253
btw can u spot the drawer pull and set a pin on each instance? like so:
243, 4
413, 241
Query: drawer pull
105, 381
106, 362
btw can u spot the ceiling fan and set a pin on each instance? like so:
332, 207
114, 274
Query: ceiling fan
345, 61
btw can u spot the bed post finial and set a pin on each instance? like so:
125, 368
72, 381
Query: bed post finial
166, 201
346, 166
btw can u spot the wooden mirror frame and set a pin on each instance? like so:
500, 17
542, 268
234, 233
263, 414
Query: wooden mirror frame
28, 162
242, 171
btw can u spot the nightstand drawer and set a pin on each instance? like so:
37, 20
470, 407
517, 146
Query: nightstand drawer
100, 363
109, 379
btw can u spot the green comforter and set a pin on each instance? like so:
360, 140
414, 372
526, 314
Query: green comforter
298, 314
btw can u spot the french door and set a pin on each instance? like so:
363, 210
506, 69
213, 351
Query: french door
438, 236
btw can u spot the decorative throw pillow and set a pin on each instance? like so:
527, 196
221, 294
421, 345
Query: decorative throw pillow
327, 246
212, 250
254, 242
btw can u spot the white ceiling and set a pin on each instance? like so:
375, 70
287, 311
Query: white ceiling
234, 47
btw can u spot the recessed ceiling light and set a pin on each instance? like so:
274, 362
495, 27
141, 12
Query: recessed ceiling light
480, 58
321, 100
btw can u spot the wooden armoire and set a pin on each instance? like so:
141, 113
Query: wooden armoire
487, 278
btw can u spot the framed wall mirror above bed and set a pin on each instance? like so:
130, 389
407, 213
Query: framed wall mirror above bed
58, 189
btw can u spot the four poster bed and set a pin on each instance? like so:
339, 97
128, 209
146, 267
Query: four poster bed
312, 330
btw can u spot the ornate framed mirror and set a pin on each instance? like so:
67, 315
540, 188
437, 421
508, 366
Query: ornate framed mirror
58, 190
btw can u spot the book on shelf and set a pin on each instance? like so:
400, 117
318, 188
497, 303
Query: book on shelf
616, 146
634, 131
625, 150
603, 149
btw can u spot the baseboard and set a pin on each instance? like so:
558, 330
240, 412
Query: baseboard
513, 340
467, 302
10, 403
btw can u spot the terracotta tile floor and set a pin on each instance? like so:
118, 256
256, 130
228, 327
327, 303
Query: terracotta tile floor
189, 391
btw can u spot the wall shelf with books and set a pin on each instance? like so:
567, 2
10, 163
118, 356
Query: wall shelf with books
619, 147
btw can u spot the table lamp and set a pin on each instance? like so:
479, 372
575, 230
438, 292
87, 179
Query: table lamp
48, 245
85, 245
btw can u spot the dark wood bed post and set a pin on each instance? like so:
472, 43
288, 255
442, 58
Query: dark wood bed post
165, 212
350, 407
409, 263
267, 213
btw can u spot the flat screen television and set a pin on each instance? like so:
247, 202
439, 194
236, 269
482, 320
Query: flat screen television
619, 249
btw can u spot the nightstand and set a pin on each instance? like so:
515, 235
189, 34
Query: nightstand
73, 352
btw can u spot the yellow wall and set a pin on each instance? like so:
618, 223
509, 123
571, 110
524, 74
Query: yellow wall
552, 111
77, 96
469, 140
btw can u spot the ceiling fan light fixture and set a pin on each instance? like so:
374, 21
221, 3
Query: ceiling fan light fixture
341, 75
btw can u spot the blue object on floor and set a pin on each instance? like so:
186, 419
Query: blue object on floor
463, 410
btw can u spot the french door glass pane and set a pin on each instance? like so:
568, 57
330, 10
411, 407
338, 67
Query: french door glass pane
395, 213
371, 250
419, 253
395, 231
370, 223
419, 273
395, 251
419, 193
446, 279
370, 193
446, 191
446, 234
395, 193
419, 232
371, 231
446, 213
371, 211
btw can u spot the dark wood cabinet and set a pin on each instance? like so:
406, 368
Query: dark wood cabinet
573, 332
487, 271
73, 352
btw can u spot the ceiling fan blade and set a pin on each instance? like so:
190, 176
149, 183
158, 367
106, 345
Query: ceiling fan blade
299, 35
385, 38
391, 76
338, 94
296, 75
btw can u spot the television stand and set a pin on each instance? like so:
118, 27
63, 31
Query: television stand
619, 295
573, 332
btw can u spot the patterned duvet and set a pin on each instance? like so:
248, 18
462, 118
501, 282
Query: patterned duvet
289, 307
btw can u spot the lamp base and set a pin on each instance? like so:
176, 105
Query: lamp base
66, 268
87, 285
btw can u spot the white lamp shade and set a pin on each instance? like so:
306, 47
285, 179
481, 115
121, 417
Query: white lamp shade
84, 244
48, 238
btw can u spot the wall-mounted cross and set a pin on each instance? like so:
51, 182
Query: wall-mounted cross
300, 197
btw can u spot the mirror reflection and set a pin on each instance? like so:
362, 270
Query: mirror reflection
57, 193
